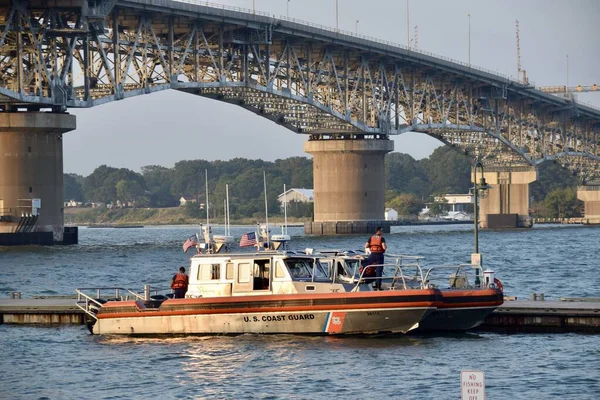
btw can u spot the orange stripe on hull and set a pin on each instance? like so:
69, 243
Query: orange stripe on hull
426, 304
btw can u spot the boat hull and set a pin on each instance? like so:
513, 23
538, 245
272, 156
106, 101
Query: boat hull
344, 313
462, 310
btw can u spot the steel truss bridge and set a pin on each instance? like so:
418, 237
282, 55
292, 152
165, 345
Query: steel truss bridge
314, 80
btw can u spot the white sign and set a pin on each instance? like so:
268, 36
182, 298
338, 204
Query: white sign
36, 204
472, 385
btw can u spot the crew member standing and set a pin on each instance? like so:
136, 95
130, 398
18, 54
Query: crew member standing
180, 283
376, 244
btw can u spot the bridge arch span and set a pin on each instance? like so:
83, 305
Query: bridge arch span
311, 79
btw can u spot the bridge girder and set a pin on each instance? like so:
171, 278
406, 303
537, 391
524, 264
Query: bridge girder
306, 79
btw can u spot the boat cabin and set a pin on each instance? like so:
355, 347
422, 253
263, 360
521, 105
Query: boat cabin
267, 272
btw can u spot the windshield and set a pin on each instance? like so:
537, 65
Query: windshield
352, 267
302, 269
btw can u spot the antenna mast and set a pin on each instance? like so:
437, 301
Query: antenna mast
284, 211
227, 210
266, 206
206, 188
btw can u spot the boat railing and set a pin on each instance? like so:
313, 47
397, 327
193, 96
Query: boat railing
403, 273
462, 276
91, 299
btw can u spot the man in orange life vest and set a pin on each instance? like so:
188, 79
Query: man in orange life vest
180, 283
376, 244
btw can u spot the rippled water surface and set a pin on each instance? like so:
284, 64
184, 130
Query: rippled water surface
68, 363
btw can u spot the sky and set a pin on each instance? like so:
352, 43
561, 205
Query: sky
166, 127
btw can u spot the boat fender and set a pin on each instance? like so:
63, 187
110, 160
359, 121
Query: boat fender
498, 284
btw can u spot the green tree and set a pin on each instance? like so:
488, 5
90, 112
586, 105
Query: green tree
300, 209
405, 175
72, 187
448, 171
132, 192
439, 206
562, 203
406, 204
101, 185
193, 210
158, 181
551, 176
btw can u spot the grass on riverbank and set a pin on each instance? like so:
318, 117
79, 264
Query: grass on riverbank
149, 216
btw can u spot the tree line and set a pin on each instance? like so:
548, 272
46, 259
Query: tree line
410, 185
158, 186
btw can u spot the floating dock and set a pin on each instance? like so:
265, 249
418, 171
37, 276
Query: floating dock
519, 316
44, 311
568, 315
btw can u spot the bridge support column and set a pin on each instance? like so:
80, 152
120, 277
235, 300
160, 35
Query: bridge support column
349, 184
31, 177
590, 195
507, 204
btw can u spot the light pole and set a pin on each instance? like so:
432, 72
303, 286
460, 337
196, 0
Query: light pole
567, 87
288, 9
356, 28
469, 40
479, 190
253, 7
337, 27
407, 26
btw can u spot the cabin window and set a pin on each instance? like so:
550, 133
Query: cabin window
352, 268
243, 273
299, 269
327, 266
229, 271
205, 272
319, 272
215, 272
279, 273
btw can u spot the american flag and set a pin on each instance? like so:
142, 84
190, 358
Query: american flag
248, 239
190, 242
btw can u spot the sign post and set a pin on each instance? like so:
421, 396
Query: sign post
472, 385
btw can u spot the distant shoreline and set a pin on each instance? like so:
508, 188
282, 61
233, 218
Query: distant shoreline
139, 217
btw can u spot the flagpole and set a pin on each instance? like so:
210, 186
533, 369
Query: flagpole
285, 210
227, 197
266, 207
206, 180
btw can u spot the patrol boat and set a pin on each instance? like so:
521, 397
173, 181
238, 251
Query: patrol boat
468, 294
273, 291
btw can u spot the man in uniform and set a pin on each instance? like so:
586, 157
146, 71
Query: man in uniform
180, 283
376, 245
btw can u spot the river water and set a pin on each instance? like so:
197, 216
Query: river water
68, 363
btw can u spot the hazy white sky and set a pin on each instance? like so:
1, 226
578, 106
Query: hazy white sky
166, 127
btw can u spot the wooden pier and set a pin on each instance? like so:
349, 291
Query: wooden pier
45, 311
569, 315
519, 316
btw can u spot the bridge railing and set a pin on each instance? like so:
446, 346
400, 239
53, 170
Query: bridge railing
396, 45
224, 7
347, 33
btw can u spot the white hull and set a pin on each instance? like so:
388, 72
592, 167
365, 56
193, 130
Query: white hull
399, 320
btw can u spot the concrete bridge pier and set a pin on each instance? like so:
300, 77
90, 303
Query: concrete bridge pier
349, 184
590, 195
31, 177
507, 203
